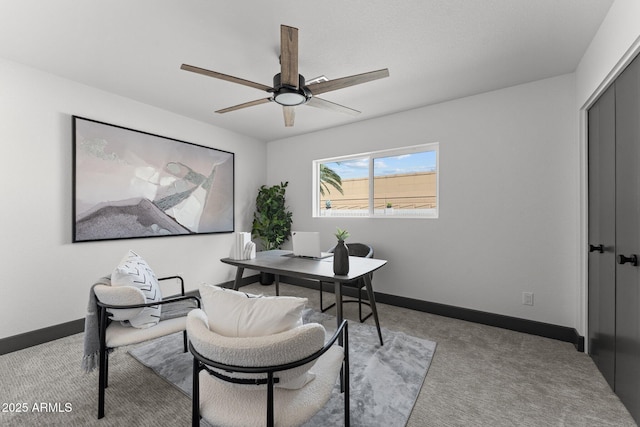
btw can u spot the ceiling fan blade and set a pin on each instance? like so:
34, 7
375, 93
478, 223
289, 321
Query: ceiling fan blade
289, 115
332, 106
245, 105
226, 77
289, 56
322, 87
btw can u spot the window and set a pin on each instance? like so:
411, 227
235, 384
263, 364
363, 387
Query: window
401, 182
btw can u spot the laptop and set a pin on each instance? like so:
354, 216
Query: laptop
306, 244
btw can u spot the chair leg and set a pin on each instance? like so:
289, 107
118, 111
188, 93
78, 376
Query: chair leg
106, 369
184, 340
103, 363
362, 319
101, 384
195, 393
270, 414
322, 308
347, 403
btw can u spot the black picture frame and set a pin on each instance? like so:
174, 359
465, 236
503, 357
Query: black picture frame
133, 184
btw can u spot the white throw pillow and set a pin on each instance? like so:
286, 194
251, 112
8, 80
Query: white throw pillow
237, 314
134, 271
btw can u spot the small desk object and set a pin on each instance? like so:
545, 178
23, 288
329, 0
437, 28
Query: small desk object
278, 262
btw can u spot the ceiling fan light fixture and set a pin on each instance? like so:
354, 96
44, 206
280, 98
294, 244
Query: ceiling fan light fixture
289, 97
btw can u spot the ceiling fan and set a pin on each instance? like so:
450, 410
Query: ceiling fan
289, 87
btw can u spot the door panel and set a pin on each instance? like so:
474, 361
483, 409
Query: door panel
627, 362
601, 292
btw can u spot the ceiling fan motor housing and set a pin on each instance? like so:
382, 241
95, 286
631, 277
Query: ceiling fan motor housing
289, 95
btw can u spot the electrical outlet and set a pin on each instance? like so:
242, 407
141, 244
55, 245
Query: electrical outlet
527, 298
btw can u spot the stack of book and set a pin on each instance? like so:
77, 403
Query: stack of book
243, 247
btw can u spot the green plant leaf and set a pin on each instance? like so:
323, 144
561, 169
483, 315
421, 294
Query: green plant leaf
341, 234
271, 220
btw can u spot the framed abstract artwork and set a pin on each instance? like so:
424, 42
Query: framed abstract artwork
132, 184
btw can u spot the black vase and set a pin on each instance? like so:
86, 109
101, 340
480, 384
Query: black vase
341, 259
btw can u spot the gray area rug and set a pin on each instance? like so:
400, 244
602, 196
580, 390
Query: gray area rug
385, 381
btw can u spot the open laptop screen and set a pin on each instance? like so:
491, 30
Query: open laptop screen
306, 243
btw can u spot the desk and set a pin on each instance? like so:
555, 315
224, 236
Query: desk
278, 262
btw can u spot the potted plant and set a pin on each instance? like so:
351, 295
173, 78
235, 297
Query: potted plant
271, 220
327, 207
341, 254
389, 209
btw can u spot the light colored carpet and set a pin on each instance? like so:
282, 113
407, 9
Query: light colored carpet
385, 381
479, 376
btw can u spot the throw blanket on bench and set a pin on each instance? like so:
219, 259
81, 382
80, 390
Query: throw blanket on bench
91, 355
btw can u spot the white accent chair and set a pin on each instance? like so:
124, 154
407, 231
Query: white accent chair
118, 303
245, 381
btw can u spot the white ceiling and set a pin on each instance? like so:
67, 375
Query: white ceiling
435, 50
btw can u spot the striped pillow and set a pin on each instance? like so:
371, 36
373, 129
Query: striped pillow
134, 271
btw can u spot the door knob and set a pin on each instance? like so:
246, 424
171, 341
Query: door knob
633, 259
598, 248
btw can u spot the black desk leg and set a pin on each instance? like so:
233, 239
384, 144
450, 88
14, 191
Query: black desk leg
372, 301
236, 283
277, 279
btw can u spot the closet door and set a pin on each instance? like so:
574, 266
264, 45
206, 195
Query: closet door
601, 292
627, 371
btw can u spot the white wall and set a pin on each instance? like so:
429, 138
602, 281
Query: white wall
488, 246
45, 279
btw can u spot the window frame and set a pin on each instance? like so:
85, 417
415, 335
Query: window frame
371, 156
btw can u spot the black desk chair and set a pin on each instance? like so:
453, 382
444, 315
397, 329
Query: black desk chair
364, 251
